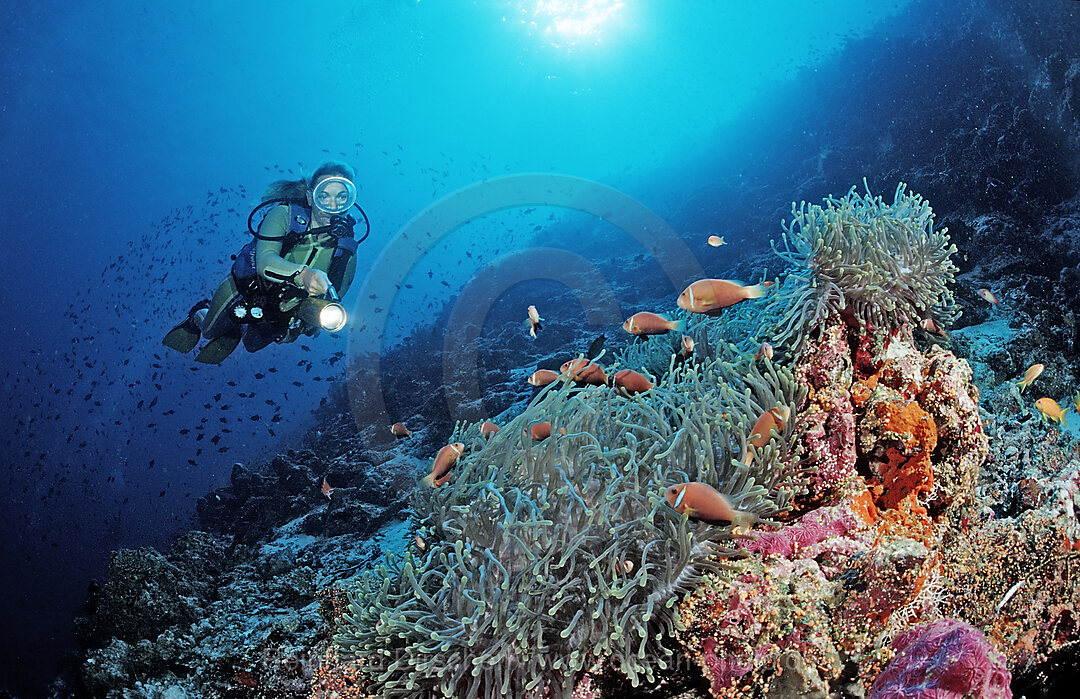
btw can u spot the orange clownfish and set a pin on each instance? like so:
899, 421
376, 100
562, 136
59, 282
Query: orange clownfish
583, 371
628, 382
765, 351
488, 428
542, 377
646, 323
539, 431
399, 430
702, 501
708, 295
444, 461
687, 346
761, 432
1030, 375
931, 326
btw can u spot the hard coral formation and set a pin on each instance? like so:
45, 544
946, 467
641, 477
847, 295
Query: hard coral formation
827, 421
943, 659
1014, 575
739, 623
895, 439
883, 265
543, 559
919, 431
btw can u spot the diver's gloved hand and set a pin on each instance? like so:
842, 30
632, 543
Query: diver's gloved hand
314, 281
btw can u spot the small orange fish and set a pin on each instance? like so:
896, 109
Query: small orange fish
444, 461
326, 489
765, 351
1051, 410
539, 431
488, 428
708, 295
988, 296
627, 567
542, 377
716, 240
702, 501
1030, 375
584, 371
399, 430
930, 325
628, 382
687, 347
420, 543
646, 323
534, 322
760, 433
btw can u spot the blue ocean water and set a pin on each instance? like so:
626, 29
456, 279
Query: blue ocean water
137, 136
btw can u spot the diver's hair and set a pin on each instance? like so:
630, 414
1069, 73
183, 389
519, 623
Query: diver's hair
297, 189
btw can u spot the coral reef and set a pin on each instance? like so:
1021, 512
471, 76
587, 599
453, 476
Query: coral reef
260, 500
863, 562
236, 611
544, 559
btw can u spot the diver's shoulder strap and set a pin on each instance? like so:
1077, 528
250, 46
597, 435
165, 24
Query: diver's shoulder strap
299, 218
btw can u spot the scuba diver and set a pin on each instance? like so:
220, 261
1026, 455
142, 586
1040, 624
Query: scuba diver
286, 282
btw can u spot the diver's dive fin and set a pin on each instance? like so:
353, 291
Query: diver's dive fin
215, 351
186, 334
182, 338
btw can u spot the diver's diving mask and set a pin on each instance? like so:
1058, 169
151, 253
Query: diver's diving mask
334, 196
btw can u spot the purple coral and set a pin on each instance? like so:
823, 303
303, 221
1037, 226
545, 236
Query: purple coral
944, 659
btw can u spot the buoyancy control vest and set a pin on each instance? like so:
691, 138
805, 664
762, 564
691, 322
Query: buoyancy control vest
263, 299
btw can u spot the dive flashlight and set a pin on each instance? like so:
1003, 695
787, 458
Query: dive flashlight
327, 314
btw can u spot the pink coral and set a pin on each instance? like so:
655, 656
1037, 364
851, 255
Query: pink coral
813, 528
945, 659
724, 670
827, 421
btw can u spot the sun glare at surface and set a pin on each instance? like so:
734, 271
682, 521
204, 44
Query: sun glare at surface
568, 22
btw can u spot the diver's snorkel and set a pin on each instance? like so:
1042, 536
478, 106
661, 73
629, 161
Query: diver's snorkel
325, 313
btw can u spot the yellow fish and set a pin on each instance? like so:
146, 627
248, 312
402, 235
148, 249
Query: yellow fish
1051, 410
1030, 375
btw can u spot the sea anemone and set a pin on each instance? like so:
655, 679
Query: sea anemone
880, 265
545, 558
